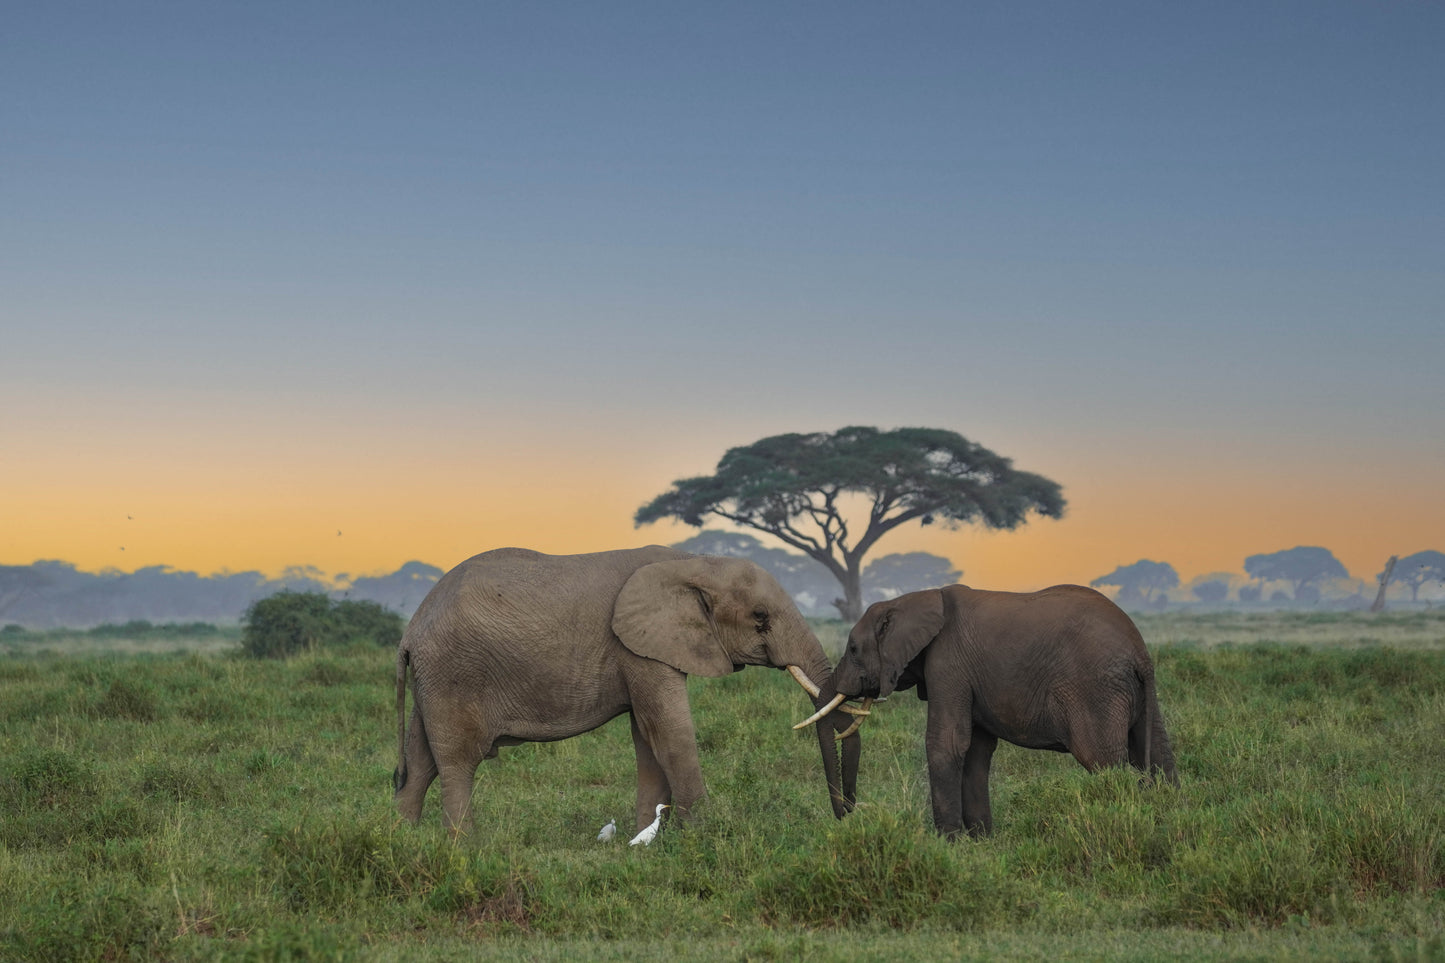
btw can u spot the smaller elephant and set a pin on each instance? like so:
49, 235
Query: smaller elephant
1062, 669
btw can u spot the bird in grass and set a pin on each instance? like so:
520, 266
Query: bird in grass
608, 832
650, 833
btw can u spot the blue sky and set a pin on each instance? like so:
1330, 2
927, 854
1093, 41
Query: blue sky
1136, 246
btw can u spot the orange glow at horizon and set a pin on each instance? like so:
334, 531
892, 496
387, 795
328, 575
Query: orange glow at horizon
208, 519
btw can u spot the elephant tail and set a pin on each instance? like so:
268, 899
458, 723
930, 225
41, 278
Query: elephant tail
1150, 737
398, 778
1151, 705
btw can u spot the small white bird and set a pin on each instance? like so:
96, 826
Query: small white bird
608, 832
650, 833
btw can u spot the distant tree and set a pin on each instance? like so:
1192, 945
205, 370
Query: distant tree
290, 622
366, 622
1212, 591
893, 575
808, 583
285, 623
1300, 566
1250, 593
1384, 583
1420, 569
793, 487
1141, 580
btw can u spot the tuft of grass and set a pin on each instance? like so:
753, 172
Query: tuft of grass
879, 868
128, 699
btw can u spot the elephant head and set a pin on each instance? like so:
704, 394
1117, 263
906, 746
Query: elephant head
886, 639
708, 615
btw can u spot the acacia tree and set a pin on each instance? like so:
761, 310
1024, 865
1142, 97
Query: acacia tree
893, 575
793, 486
1418, 569
1140, 580
1301, 566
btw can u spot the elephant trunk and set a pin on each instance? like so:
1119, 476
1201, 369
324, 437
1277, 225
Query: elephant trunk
842, 793
794, 646
830, 719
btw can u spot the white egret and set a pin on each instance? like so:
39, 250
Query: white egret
608, 832
650, 833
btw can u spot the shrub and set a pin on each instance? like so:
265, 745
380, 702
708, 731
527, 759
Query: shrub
368, 622
291, 622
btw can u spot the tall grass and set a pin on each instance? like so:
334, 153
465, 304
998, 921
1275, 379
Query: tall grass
201, 807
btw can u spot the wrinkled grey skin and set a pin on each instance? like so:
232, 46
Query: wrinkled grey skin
1062, 669
514, 646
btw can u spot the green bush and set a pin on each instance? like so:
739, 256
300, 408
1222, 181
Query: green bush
291, 622
367, 622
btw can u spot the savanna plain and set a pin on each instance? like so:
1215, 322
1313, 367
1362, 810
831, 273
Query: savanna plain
163, 797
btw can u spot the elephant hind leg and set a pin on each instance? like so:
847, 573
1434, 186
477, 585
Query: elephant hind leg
457, 782
1101, 739
457, 737
1149, 748
977, 813
417, 772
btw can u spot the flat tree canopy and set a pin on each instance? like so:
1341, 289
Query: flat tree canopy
1140, 580
1302, 566
1418, 569
792, 486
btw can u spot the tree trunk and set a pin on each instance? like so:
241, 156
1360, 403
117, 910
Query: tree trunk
1379, 604
850, 606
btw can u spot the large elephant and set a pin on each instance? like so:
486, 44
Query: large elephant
1062, 669
514, 646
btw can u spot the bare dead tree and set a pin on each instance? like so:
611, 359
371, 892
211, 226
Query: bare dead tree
1379, 603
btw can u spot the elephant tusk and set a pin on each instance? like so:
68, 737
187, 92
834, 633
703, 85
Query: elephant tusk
855, 711
837, 700
857, 719
803, 681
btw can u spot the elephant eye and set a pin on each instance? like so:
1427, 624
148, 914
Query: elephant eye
761, 617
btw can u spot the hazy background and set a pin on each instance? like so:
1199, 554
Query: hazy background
345, 286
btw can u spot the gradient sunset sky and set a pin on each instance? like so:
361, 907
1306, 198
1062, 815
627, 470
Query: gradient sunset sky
346, 285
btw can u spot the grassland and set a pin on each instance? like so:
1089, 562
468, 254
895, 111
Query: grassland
195, 805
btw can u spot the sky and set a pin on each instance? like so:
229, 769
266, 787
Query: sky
351, 284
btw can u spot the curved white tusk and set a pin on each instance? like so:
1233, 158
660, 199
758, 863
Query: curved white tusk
857, 719
837, 700
855, 711
803, 681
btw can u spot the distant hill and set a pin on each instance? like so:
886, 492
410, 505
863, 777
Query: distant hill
54, 594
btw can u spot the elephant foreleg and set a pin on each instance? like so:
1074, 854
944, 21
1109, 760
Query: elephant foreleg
652, 787
662, 722
977, 814
947, 743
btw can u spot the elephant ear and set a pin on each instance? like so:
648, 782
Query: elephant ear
664, 612
913, 621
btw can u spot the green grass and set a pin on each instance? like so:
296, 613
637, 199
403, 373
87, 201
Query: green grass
188, 806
